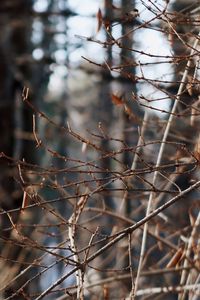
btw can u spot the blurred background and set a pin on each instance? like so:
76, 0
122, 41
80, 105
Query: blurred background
56, 50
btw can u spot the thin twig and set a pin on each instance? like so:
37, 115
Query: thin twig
160, 155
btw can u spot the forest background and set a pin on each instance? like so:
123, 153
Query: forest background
100, 149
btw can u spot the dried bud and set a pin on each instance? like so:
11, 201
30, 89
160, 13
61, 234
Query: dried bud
132, 14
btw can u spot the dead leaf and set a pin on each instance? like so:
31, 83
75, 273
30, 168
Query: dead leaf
175, 259
99, 20
117, 100
105, 292
131, 114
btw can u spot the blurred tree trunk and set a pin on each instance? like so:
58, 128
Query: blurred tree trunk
14, 117
18, 70
124, 123
105, 111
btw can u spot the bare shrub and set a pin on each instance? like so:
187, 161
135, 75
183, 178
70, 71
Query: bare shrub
121, 219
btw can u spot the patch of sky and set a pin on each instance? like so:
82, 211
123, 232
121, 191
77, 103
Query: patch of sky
57, 82
150, 9
60, 38
63, 4
82, 26
41, 5
60, 56
86, 7
37, 32
38, 54
154, 43
79, 46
